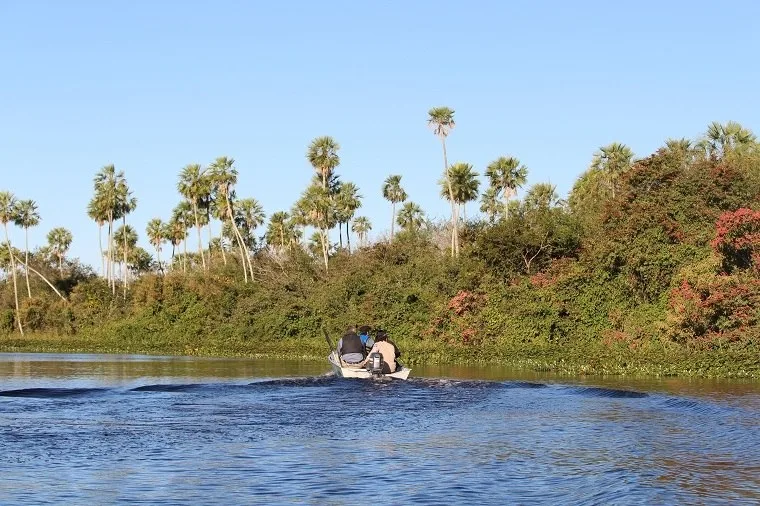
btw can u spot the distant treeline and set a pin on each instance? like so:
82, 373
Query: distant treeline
654, 253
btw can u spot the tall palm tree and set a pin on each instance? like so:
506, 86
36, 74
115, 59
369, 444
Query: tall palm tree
126, 240
323, 156
361, 227
59, 240
192, 186
465, 185
506, 175
27, 216
394, 193
319, 209
8, 213
156, 231
224, 175
127, 204
411, 217
177, 232
347, 201
441, 122
97, 211
109, 189
612, 160
489, 204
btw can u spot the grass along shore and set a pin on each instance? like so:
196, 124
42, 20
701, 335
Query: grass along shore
591, 359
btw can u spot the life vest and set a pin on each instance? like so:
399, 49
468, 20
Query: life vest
352, 344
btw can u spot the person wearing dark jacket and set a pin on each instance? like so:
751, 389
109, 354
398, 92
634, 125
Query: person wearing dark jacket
350, 347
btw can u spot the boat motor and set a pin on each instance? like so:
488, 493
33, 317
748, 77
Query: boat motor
375, 363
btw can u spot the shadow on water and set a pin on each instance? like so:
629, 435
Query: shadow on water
51, 393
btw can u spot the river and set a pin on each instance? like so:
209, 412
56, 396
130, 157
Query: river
105, 429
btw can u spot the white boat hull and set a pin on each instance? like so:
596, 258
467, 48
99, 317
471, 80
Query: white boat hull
354, 372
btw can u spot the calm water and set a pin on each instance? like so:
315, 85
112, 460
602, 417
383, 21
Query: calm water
94, 429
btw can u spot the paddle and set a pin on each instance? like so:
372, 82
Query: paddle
330, 344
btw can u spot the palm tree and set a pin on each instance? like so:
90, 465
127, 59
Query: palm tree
8, 213
27, 216
278, 224
126, 240
361, 227
465, 184
319, 209
225, 176
109, 189
192, 186
506, 175
411, 217
177, 233
612, 160
182, 214
542, 196
156, 231
127, 204
489, 204
249, 215
394, 193
97, 211
441, 121
323, 156
722, 139
59, 240
347, 201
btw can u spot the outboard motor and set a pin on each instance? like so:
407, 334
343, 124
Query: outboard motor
375, 364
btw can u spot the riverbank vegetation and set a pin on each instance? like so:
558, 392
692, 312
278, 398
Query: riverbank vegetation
650, 265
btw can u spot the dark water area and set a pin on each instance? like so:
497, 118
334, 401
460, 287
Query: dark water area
97, 429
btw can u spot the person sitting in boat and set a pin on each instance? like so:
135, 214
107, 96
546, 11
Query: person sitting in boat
367, 341
350, 347
387, 351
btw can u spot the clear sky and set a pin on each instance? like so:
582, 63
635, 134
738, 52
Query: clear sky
152, 86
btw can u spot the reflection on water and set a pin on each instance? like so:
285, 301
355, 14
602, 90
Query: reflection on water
161, 430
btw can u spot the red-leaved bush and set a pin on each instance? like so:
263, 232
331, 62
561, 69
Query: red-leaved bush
737, 239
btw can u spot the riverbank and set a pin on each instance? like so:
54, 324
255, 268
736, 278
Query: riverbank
592, 359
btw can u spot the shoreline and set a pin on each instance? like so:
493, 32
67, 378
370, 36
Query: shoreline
579, 360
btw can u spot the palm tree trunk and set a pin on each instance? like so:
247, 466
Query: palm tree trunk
221, 246
26, 260
184, 256
158, 257
323, 237
124, 225
15, 286
393, 218
282, 237
111, 271
60, 263
200, 243
454, 229
239, 237
100, 245
208, 220
348, 236
340, 233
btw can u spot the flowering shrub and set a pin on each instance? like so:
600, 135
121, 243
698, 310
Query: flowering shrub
737, 239
464, 302
721, 308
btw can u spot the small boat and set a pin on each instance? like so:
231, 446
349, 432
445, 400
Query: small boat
401, 372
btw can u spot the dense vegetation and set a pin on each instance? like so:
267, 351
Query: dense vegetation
650, 265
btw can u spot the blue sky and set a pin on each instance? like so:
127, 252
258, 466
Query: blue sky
153, 86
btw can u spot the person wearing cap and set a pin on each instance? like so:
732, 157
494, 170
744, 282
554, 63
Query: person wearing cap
367, 341
350, 347
386, 349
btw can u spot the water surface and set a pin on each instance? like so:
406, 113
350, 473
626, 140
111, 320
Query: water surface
159, 430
